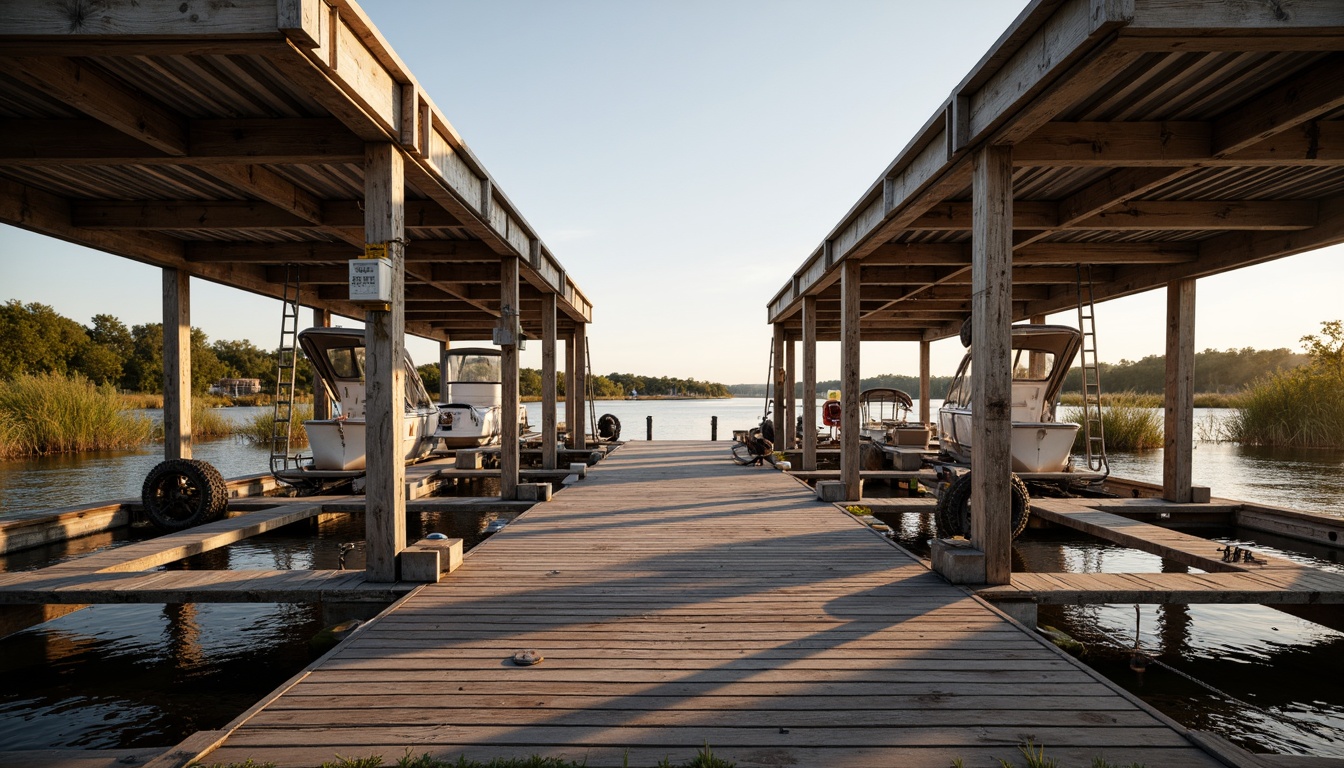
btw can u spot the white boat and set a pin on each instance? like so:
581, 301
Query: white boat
337, 443
1042, 355
470, 414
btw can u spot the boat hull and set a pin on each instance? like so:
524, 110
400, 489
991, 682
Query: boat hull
338, 444
1037, 446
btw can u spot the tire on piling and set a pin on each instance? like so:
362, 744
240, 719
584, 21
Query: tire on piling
953, 515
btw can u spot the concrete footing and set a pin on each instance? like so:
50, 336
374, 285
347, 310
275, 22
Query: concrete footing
958, 561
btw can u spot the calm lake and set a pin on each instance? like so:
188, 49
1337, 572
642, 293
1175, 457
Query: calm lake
124, 676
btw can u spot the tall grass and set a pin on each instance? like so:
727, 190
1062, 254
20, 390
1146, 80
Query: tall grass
1302, 407
1130, 423
48, 413
1148, 400
1292, 409
258, 430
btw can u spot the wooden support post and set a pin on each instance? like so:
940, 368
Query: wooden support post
1036, 360
777, 377
508, 359
849, 380
1179, 443
321, 400
809, 462
385, 371
713, 429
176, 364
991, 346
578, 418
790, 398
444, 346
548, 419
570, 386
924, 394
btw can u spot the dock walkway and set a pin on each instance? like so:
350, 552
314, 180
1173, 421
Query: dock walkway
680, 600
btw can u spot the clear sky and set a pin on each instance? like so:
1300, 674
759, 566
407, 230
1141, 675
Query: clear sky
681, 159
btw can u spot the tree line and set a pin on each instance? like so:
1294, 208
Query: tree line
1216, 371
39, 340
608, 386
107, 352
1225, 372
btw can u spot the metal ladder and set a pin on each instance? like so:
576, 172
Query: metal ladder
590, 392
282, 428
1094, 434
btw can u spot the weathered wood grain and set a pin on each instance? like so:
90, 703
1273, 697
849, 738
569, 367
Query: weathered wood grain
679, 598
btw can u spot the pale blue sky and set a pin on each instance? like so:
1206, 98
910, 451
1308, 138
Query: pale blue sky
681, 159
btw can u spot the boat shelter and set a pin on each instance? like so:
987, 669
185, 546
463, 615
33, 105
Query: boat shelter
1119, 146
264, 145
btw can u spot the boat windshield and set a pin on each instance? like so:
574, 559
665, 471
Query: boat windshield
471, 369
1033, 364
347, 362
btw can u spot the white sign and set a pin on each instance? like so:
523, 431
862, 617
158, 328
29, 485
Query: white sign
371, 281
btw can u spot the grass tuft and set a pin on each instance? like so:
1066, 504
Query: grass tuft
258, 430
1130, 423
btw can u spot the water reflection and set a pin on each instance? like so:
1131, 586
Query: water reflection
128, 676
1277, 673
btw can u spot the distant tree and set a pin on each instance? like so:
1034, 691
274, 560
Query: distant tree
529, 382
144, 370
244, 360
38, 340
110, 346
429, 376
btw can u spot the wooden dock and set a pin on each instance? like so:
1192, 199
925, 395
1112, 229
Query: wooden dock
1265, 580
679, 599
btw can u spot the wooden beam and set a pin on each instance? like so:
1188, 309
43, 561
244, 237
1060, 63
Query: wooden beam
417, 251
176, 364
777, 382
234, 20
1312, 93
508, 353
183, 214
957, 216
321, 400
1179, 393
991, 320
1115, 144
549, 432
1197, 215
850, 334
86, 89
571, 384
577, 417
790, 387
924, 392
809, 332
385, 520
1044, 254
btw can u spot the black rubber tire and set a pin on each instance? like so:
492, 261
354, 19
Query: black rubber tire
953, 515
182, 493
768, 430
609, 427
966, 333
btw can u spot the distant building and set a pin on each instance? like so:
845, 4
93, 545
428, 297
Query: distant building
237, 387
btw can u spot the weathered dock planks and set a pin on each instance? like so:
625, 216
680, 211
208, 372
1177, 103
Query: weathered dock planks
678, 600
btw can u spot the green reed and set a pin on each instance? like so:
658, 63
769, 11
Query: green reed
48, 413
1130, 422
259, 429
